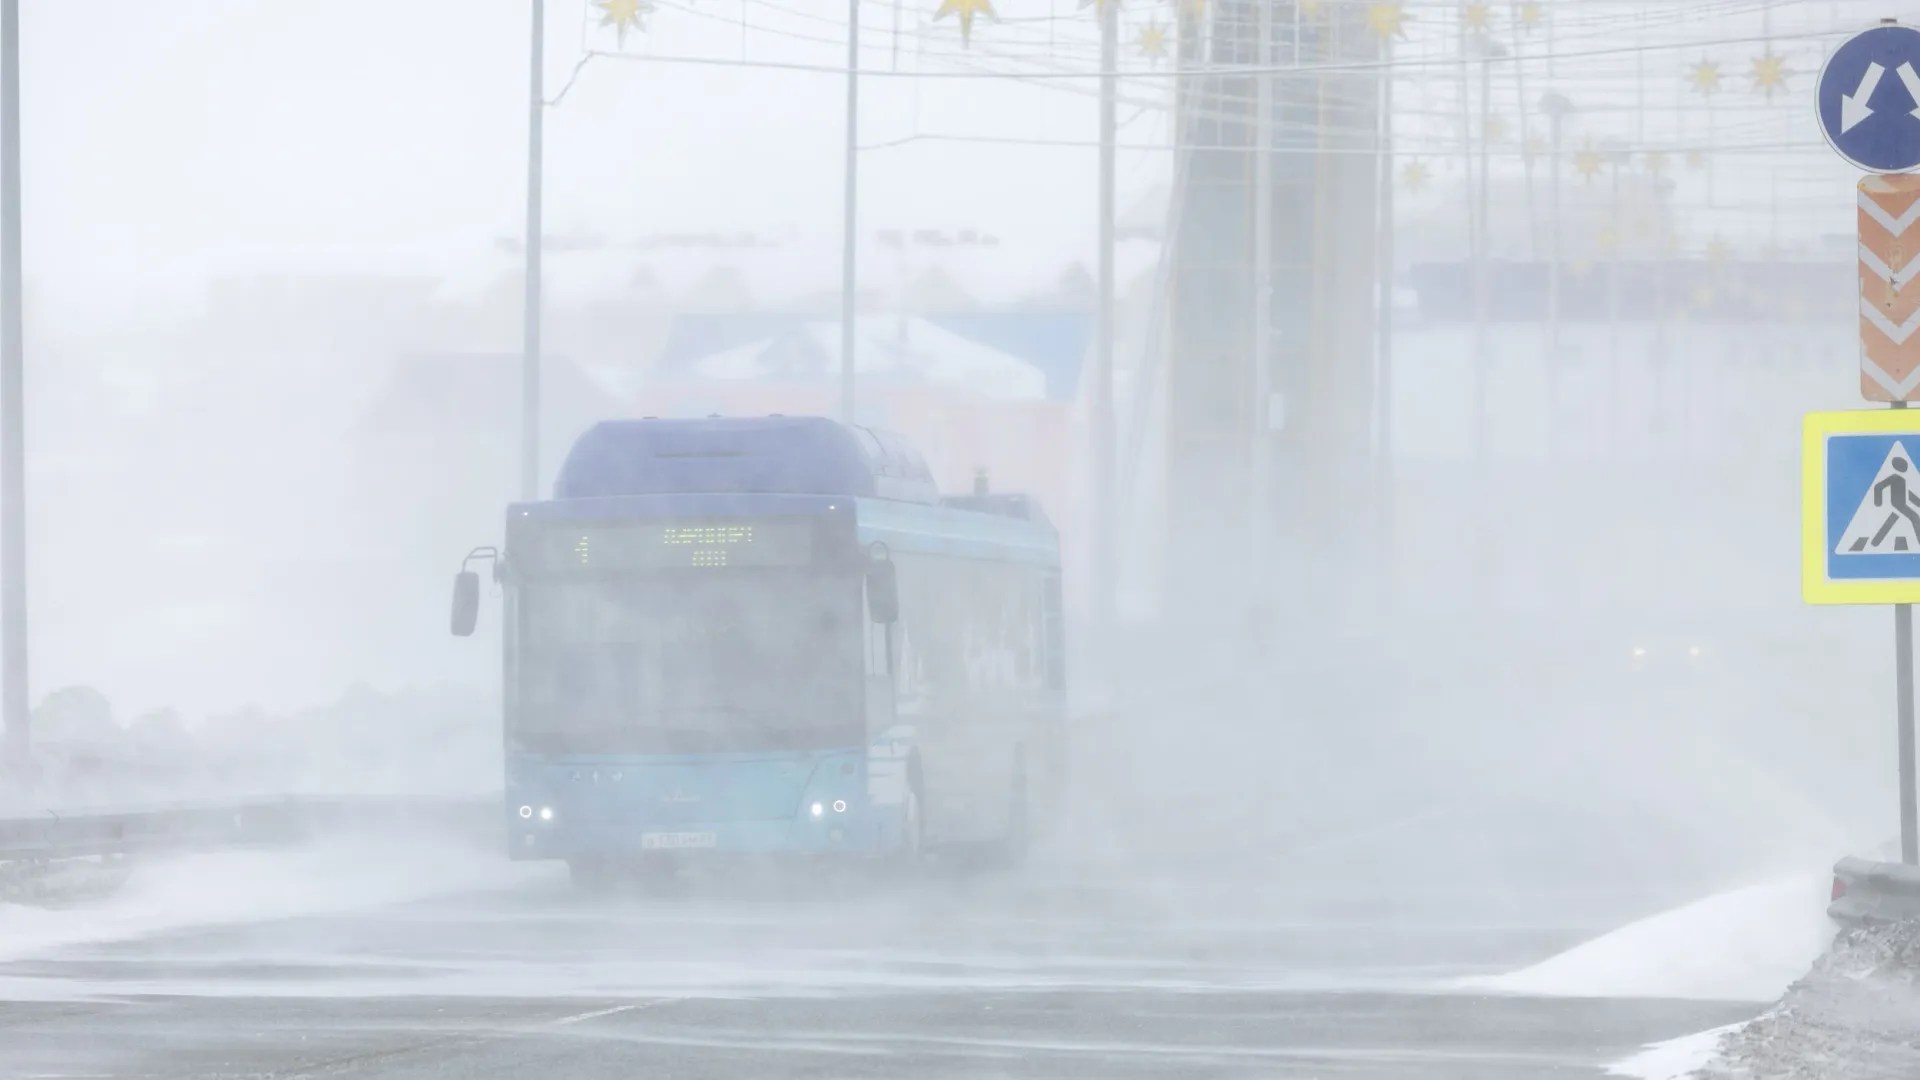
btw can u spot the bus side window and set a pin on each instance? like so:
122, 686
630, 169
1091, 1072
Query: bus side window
876, 644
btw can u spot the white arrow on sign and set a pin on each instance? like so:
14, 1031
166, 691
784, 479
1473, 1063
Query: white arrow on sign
1853, 107
1912, 79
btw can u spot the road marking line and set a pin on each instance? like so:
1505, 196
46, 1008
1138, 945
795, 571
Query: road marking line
612, 1011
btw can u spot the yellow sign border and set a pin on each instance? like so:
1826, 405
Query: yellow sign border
1814, 431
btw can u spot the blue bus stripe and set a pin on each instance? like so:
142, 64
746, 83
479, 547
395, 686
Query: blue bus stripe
968, 534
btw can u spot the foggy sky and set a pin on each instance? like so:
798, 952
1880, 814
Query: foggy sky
164, 142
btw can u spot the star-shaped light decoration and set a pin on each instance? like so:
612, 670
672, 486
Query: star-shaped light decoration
1476, 15
1696, 159
965, 10
1705, 77
1387, 19
1530, 14
1153, 40
624, 15
1656, 162
1770, 74
1414, 176
1588, 163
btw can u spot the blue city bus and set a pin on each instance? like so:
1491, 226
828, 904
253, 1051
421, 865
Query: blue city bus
772, 636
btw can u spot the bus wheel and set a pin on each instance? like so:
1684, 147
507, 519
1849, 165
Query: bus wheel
913, 823
1013, 846
913, 829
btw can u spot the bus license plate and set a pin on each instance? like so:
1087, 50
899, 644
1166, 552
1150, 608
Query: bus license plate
668, 841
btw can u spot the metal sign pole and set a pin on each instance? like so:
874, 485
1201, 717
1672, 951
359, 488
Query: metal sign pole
1879, 135
1903, 675
1903, 705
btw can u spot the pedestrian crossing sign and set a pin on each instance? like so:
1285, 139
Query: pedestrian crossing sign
1860, 507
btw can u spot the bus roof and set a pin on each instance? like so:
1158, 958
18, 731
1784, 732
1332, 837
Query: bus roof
784, 455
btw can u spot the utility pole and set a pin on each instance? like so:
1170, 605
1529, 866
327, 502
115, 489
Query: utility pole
13, 443
1556, 106
1526, 133
1261, 473
849, 228
1101, 385
530, 316
1383, 383
1478, 194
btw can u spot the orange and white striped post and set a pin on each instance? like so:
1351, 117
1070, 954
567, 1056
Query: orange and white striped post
1889, 302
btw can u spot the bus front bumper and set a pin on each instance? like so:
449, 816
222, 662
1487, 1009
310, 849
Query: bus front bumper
856, 832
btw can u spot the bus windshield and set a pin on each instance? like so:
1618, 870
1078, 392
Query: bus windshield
747, 660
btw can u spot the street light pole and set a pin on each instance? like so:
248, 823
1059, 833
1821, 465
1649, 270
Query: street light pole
13, 482
530, 318
1261, 472
1556, 106
849, 227
1101, 405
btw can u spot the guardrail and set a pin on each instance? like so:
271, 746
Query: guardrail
1866, 891
261, 822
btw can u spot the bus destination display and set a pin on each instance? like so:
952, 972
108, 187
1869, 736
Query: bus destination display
668, 545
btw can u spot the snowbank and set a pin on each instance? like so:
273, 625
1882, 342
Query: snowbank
1855, 1015
226, 888
1675, 1059
1746, 945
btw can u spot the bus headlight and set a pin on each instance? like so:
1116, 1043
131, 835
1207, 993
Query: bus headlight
818, 809
546, 813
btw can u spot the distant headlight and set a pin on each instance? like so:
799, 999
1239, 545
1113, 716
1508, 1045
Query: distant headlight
839, 806
818, 809
526, 811
546, 813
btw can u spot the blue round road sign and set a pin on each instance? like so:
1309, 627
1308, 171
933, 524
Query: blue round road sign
1869, 99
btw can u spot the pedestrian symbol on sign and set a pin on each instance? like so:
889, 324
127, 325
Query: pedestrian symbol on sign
1888, 520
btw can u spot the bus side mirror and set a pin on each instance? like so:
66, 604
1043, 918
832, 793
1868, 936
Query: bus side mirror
466, 602
883, 593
